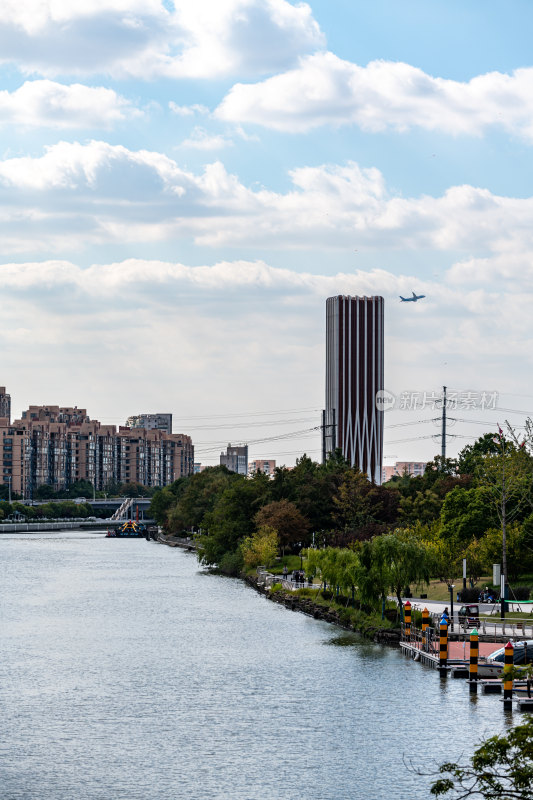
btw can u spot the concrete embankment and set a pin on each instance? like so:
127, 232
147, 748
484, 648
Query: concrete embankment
306, 605
35, 527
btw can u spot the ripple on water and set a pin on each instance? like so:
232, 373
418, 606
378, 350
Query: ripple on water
127, 673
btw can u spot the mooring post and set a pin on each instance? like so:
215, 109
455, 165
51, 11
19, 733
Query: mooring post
508, 681
474, 656
443, 647
425, 630
407, 621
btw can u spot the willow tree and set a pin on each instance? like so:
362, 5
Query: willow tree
399, 559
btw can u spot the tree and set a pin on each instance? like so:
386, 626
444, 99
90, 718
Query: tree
285, 518
196, 496
508, 475
44, 492
232, 518
466, 513
500, 769
361, 504
519, 556
423, 507
399, 559
260, 548
471, 457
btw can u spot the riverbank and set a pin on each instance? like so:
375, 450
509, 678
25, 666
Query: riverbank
363, 625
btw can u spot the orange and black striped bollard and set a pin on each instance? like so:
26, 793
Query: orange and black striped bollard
508, 682
425, 629
407, 621
443, 647
474, 656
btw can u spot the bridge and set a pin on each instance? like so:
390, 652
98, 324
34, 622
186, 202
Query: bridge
123, 507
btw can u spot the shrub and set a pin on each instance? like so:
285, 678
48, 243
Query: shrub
231, 563
520, 593
469, 595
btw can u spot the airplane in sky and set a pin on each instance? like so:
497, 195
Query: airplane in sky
412, 299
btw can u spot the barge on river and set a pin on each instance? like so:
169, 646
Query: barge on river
129, 530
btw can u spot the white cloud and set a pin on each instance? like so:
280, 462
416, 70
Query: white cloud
246, 330
200, 139
141, 38
187, 111
76, 194
44, 103
326, 90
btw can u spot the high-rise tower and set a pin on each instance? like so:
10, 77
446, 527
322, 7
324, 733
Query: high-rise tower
354, 375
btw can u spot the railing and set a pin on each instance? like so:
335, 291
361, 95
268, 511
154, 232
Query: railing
426, 641
512, 627
268, 579
122, 511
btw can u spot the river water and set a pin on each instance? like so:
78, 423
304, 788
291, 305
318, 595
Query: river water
127, 672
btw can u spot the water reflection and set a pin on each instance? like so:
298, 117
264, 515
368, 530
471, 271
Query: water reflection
127, 673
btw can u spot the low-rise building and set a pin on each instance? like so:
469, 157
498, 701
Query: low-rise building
235, 459
413, 468
264, 465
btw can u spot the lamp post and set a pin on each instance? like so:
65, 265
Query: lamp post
450, 589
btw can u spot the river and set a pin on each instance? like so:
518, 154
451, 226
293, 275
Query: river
129, 673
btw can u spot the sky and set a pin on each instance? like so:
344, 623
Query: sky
182, 185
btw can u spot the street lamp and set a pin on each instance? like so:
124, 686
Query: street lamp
451, 587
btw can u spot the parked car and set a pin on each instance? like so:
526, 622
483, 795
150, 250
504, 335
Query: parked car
469, 615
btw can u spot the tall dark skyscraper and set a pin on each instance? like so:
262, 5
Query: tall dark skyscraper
354, 375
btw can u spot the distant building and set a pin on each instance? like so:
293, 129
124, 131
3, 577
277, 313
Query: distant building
264, 465
151, 422
354, 375
235, 459
5, 404
61, 445
414, 468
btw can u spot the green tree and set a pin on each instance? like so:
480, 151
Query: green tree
196, 496
466, 513
519, 556
44, 492
286, 519
261, 547
360, 504
471, 457
399, 559
508, 477
232, 518
425, 506
474, 560
500, 769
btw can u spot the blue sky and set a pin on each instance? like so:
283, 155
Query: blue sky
182, 186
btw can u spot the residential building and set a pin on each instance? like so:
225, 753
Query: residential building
235, 459
5, 404
59, 446
352, 420
264, 465
413, 468
160, 422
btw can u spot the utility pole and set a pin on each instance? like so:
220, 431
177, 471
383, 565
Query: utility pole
443, 440
333, 434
